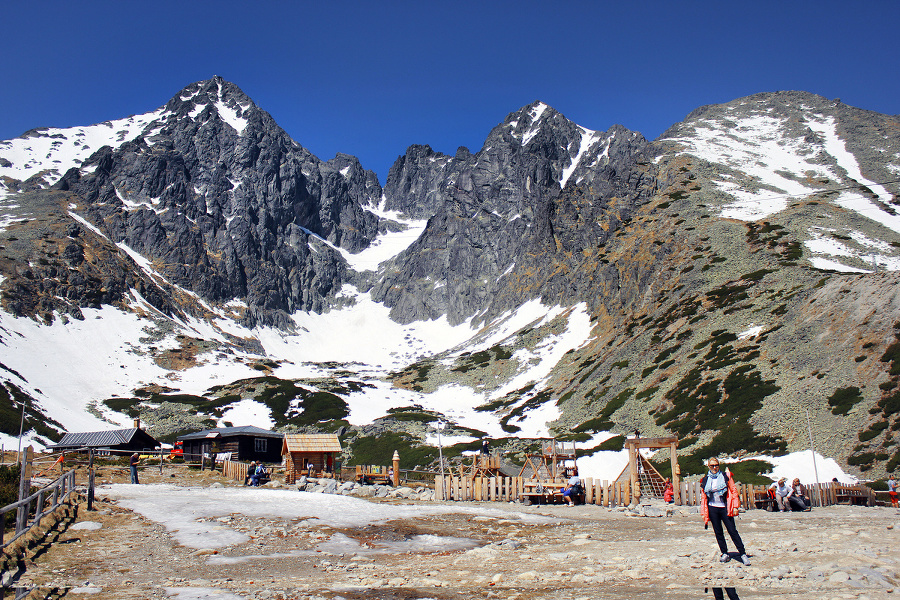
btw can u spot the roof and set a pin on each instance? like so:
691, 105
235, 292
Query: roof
104, 439
222, 432
311, 442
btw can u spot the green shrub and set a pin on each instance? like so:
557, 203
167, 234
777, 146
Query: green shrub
9, 485
843, 399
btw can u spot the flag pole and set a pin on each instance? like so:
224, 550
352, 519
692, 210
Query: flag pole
812, 449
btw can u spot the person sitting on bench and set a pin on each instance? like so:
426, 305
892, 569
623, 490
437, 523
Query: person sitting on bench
798, 499
573, 488
782, 491
260, 473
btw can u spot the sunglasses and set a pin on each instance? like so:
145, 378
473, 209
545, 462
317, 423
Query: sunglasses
714, 466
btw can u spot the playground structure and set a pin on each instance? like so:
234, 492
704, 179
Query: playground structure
550, 465
483, 465
642, 476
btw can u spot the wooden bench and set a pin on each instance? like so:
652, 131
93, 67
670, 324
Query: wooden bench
535, 492
764, 500
368, 476
852, 495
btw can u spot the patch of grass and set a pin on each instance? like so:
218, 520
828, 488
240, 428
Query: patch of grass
9, 485
844, 399
873, 431
892, 355
35, 420
612, 444
481, 359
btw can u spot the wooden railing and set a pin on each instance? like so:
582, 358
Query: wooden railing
610, 494
57, 492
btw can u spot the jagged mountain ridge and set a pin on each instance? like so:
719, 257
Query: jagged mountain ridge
648, 236
490, 213
224, 202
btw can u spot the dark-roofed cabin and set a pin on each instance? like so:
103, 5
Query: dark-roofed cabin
116, 440
243, 443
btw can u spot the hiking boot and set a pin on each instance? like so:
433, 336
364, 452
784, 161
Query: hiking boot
745, 559
724, 558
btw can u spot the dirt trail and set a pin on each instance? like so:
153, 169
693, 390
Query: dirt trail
590, 552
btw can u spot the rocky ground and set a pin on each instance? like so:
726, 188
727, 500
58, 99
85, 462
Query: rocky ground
587, 552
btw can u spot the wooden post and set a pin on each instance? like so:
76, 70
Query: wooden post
90, 495
676, 472
396, 464
588, 490
633, 474
24, 486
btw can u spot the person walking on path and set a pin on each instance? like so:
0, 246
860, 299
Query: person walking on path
133, 462
892, 491
719, 504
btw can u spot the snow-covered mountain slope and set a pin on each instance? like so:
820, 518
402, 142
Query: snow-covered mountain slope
201, 268
774, 151
50, 152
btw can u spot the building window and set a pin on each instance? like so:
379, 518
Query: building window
260, 444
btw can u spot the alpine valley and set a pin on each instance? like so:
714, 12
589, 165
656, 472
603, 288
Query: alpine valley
196, 267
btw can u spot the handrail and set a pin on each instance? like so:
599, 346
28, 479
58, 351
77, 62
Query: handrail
60, 490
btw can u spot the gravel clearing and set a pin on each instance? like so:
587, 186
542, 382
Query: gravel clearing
506, 552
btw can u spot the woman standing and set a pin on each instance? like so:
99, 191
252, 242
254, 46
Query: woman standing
719, 504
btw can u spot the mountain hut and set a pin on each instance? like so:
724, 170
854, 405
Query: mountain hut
114, 441
302, 449
244, 443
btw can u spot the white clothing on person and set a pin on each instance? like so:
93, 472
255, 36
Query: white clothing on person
715, 488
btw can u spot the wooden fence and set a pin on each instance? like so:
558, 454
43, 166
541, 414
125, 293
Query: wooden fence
30, 510
611, 494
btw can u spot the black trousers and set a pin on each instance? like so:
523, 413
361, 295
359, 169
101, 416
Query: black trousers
719, 515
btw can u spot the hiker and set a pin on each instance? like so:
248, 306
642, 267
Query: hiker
892, 491
720, 504
780, 491
258, 474
251, 469
133, 463
573, 488
798, 499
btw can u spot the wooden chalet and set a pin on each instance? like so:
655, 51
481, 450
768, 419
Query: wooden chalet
302, 449
246, 443
116, 441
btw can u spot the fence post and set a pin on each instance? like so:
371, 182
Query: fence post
24, 485
90, 497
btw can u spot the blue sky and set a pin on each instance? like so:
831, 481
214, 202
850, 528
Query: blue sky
371, 78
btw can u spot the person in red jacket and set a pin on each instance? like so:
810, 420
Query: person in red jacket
719, 504
669, 492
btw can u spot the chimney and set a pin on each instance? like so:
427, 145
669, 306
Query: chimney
137, 423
